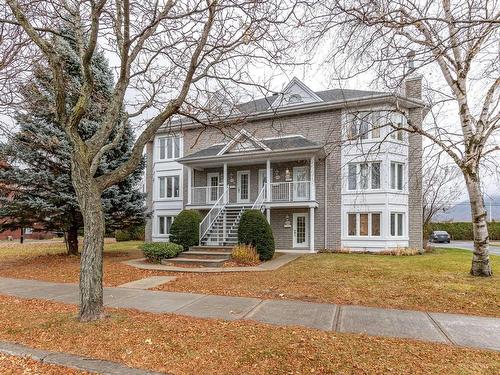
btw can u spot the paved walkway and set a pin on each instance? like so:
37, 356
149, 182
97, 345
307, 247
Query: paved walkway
70, 360
270, 265
462, 330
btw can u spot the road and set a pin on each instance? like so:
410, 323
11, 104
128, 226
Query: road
467, 245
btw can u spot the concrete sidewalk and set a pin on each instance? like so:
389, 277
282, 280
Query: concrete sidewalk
462, 330
97, 366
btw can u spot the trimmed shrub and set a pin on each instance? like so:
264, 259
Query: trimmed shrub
156, 251
245, 254
186, 228
462, 231
255, 230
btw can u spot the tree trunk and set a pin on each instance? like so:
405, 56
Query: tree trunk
72, 240
91, 271
481, 265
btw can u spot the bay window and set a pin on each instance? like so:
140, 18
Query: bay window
397, 175
397, 224
363, 176
363, 224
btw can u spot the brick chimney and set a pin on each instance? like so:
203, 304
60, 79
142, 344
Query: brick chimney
413, 82
413, 86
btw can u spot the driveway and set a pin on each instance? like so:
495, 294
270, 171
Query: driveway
467, 245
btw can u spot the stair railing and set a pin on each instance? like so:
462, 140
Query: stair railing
213, 214
259, 202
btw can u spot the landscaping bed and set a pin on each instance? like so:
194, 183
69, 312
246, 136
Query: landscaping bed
183, 345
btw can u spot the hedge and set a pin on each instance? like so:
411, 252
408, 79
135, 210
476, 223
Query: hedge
462, 231
130, 234
255, 230
156, 251
186, 228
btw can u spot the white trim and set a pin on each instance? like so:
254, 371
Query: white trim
311, 229
246, 133
238, 187
295, 81
294, 232
209, 186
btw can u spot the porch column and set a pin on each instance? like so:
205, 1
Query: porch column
268, 214
268, 179
312, 187
311, 229
226, 198
190, 182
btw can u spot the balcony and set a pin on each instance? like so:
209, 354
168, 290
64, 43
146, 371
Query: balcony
279, 193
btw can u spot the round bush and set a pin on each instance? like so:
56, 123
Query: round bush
255, 230
156, 251
186, 228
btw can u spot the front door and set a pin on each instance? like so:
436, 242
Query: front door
300, 184
243, 187
301, 230
212, 187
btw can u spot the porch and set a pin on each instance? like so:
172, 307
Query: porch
246, 173
292, 184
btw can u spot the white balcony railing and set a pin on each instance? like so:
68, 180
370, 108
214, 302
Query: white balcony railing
292, 191
206, 194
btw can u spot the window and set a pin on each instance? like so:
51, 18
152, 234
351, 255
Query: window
364, 125
164, 224
363, 224
364, 175
375, 224
397, 224
369, 176
352, 219
169, 187
397, 178
397, 120
170, 147
375, 175
352, 176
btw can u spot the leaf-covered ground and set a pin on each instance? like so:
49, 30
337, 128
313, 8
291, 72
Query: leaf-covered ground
10, 365
437, 281
182, 345
47, 261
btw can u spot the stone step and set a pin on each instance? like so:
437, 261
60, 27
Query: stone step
197, 254
212, 248
198, 262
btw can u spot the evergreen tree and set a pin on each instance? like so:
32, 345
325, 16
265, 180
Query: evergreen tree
38, 180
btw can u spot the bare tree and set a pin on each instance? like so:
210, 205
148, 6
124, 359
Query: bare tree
441, 186
170, 56
456, 47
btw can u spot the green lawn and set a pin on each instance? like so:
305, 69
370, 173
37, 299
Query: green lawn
437, 281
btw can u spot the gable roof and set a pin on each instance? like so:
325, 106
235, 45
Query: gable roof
243, 133
331, 95
298, 89
271, 144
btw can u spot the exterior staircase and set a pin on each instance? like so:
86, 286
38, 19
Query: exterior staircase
230, 217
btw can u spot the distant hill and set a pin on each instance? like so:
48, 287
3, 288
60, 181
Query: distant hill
461, 211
